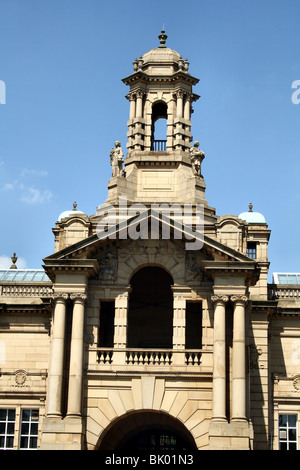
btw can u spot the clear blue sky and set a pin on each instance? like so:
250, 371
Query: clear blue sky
62, 62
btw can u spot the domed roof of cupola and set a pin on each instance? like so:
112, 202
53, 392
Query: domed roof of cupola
161, 59
252, 217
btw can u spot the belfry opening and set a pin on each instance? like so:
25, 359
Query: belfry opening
159, 126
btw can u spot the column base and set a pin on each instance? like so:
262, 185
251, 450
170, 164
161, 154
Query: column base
237, 435
62, 434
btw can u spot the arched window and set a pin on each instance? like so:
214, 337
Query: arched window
159, 126
150, 314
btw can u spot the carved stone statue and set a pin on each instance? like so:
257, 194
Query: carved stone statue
116, 159
197, 156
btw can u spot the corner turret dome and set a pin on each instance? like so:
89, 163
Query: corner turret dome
70, 213
252, 217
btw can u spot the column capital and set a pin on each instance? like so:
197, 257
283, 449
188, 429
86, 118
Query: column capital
220, 298
81, 296
140, 93
241, 298
60, 296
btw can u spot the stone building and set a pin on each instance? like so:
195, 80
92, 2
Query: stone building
152, 326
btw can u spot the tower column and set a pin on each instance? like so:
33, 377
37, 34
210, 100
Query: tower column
239, 358
76, 356
179, 95
187, 108
57, 356
132, 99
139, 104
219, 363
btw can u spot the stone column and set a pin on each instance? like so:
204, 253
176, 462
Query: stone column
139, 104
219, 364
239, 358
76, 356
132, 99
187, 108
57, 356
179, 104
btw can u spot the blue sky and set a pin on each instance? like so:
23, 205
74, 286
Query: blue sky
62, 62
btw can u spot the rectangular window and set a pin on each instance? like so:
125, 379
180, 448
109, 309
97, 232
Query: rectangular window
107, 321
251, 250
193, 325
7, 428
29, 429
288, 433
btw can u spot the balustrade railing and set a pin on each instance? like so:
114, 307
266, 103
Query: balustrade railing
24, 290
159, 145
149, 357
279, 292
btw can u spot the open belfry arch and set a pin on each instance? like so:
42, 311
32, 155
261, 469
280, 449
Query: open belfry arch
158, 329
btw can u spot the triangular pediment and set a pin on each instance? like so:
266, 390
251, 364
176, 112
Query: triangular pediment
194, 240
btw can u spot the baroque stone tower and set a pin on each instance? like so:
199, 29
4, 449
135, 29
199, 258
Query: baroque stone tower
164, 169
140, 337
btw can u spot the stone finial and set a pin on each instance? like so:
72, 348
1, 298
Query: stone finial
162, 38
186, 65
250, 207
140, 62
75, 206
180, 63
135, 65
14, 259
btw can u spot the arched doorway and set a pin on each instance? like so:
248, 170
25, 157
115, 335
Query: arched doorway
150, 313
148, 431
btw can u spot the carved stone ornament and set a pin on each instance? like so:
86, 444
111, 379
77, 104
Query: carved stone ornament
78, 296
239, 298
197, 156
193, 267
109, 268
116, 159
296, 382
60, 295
20, 378
220, 298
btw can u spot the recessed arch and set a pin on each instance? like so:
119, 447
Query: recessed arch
150, 309
144, 430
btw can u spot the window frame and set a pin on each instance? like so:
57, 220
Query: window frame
286, 429
6, 422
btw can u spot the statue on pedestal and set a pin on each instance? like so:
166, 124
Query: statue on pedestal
116, 159
197, 156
